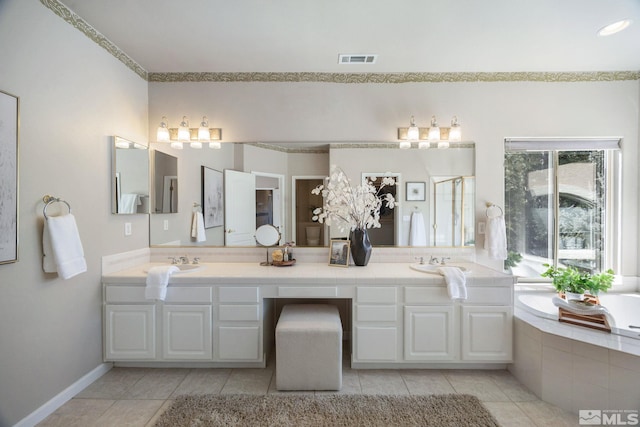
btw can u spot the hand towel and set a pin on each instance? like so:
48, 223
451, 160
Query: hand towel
456, 282
197, 227
417, 233
129, 203
62, 247
157, 281
495, 238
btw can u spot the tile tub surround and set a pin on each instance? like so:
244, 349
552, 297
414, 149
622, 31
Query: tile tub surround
575, 371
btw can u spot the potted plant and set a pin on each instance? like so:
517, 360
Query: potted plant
575, 283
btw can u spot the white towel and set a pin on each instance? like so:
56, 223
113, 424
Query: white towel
456, 282
62, 248
157, 281
495, 238
417, 232
197, 227
129, 203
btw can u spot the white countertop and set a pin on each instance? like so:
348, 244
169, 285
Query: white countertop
311, 274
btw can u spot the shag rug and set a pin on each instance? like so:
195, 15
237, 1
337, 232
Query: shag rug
448, 410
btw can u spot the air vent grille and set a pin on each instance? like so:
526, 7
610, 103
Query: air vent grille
362, 58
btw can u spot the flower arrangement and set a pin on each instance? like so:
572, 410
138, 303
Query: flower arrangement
350, 207
570, 279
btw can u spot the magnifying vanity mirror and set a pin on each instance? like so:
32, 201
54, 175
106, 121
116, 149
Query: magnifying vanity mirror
282, 176
267, 235
130, 177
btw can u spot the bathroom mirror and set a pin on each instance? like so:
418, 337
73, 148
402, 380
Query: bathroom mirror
165, 183
285, 173
129, 177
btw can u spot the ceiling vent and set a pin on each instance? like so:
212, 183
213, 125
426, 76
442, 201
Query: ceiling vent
365, 58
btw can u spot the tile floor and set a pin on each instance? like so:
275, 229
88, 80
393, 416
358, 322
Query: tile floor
137, 396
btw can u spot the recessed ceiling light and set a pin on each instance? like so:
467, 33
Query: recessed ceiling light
616, 27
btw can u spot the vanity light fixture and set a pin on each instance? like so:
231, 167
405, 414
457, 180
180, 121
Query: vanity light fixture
443, 136
184, 134
162, 135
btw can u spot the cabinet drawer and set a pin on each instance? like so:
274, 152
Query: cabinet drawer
308, 291
239, 313
376, 295
126, 294
376, 313
190, 294
426, 295
489, 295
239, 294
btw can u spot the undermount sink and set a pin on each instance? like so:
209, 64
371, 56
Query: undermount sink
433, 268
184, 268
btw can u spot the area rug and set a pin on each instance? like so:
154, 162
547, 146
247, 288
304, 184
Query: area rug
449, 410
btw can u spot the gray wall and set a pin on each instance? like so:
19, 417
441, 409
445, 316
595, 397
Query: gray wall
73, 97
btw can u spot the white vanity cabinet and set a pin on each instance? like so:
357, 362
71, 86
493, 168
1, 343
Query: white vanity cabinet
375, 323
178, 329
238, 331
476, 330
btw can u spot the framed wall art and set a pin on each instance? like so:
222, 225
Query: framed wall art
9, 124
416, 191
212, 198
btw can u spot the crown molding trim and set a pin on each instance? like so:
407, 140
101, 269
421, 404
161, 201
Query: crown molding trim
81, 25
346, 78
351, 78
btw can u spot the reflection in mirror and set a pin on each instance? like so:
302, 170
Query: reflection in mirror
165, 182
299, 166
130, 177
453, 211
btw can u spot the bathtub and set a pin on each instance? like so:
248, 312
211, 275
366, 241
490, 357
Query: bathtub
624, 309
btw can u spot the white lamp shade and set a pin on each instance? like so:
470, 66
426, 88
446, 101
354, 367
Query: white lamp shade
215, 145
455, 131
204, 135
176, 145
413, 133
184, 134
434, 134
162, 135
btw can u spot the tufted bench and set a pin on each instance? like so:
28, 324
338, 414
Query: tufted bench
309, 348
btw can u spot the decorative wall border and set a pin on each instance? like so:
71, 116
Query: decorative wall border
284, 149
65, 13
394, 78
348, 78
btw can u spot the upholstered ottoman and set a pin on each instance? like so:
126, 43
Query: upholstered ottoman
309, 348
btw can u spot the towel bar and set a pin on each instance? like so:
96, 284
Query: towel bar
47, 199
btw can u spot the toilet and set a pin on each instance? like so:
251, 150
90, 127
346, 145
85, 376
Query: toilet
313, 235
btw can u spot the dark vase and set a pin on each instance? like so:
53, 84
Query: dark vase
360, 246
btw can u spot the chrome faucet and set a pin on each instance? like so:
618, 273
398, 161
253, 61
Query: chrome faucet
184, 259
196, 260
421, 258
173, 259
443, 259
433, 260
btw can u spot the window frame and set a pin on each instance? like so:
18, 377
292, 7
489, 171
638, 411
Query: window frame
613, 189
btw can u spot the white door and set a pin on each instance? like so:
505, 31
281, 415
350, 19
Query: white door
130, 332
430, 333
487, 333
239, 208
186, 332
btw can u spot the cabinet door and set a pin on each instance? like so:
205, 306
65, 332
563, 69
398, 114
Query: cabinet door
487, 333
239, 343
430, 333
130, 332
186, 332
376, 343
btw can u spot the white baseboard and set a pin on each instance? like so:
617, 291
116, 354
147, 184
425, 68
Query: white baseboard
64, 396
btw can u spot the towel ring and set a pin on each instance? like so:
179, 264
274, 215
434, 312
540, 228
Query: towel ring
492, 206
49, 200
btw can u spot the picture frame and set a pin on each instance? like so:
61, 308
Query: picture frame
212, 197
416, 191
9, 130
339, 251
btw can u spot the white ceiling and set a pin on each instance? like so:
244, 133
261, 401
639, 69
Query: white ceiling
408, 35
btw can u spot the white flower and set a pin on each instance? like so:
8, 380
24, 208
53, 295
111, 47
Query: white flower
352, 207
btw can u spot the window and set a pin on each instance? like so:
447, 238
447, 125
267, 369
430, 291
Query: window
560, 204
